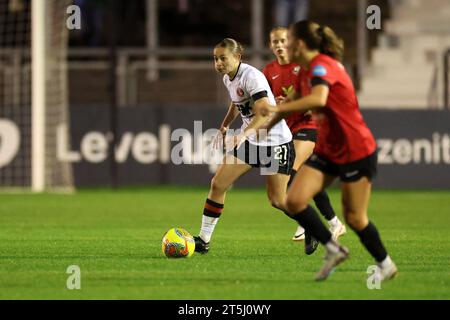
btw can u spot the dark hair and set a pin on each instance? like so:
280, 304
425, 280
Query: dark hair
235, 47
322, 38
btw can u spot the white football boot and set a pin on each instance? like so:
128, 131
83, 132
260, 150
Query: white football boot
299, 234
331, 261
337, 229
388, 270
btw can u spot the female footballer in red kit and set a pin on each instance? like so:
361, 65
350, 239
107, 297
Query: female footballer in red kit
346, 147
283, 78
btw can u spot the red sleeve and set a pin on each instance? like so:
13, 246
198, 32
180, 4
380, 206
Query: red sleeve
323, 72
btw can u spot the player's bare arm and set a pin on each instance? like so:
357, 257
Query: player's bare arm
317, 99
231, 115
229, 118
258, 120
292, 96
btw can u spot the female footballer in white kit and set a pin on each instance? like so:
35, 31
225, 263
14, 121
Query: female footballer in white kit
249, 91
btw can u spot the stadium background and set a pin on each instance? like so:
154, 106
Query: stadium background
137, 70
130, 69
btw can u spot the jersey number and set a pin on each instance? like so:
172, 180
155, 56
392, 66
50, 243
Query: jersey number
281, 154
245, 109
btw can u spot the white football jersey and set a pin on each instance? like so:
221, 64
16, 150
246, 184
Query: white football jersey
250, 84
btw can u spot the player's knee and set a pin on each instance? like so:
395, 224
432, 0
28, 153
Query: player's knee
217, 185
277, 202
356, 221
295, 204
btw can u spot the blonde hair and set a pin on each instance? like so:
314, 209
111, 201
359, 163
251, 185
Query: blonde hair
275, 29
235, 47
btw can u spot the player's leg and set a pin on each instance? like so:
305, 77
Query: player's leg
303, 150
355, 202
308, 182
229, 171
276, 190
281, 159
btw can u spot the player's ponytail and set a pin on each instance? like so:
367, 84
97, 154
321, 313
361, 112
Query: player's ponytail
330, 44
320, 38
235, 47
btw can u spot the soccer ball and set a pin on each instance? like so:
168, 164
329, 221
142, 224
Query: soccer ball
178, 243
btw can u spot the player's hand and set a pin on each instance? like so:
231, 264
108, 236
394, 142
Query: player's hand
219, 139
234, 142
239, 139
280, 99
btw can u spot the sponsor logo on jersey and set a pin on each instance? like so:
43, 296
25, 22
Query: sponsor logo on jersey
296, 70
240, 92
319, 71
287, 90
276, 76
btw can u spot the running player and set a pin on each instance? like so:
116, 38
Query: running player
345, 147
249, 92
283, 78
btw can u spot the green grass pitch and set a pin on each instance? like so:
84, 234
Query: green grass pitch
114, 237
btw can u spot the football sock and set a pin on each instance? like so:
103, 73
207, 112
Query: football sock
323, 204
211, 214
309, 220
293, 173
332, 246
333, 221
287, 214
386, 262
370, 238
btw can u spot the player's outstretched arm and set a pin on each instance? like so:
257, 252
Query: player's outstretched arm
293, 95
316, 99
260, 118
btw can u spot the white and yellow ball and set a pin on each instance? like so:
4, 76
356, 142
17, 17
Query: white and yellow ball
178, 243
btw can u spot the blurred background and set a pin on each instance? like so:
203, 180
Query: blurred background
92, 90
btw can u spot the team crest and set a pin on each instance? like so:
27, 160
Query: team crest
240, 92
296, 70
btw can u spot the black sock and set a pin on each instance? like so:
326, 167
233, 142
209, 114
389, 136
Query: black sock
311, 222
293, 173
370, 238
323, 204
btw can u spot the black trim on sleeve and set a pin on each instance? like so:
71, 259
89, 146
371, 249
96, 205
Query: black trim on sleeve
259, 95
317, 81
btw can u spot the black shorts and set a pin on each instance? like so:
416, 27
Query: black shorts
305, 135
349, 172
274, 159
